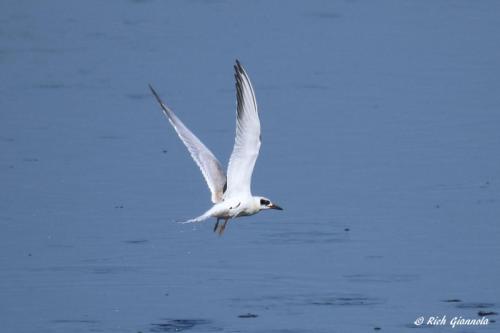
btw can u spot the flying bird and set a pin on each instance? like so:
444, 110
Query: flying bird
231, 193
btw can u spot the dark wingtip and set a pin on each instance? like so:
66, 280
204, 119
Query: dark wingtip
238, 68
151, 87
165, 109
155, 94
153, 91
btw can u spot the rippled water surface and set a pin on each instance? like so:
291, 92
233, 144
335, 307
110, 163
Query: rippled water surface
381, 140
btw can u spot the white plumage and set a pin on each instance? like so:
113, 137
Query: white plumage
231, 195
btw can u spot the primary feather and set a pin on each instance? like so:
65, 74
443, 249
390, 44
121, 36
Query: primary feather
247, 142
209, 165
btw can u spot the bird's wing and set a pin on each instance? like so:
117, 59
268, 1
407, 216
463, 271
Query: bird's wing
209, 165
247, 141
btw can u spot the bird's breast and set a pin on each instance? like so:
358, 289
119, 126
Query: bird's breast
250, 210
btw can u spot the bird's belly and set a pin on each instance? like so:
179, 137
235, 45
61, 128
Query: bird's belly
224, 214
248, 212
234, 209
233, 214
244, 213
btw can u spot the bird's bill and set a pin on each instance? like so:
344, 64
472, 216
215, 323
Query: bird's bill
273, 206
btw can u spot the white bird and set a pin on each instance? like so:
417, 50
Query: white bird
231, 195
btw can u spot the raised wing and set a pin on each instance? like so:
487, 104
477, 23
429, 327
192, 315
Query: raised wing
209, 165
247, 141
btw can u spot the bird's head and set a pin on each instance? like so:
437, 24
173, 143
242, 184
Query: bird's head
265, 203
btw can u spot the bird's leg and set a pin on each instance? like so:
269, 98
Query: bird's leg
223, 226
216, 224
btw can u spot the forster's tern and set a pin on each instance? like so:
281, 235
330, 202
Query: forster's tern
231, 195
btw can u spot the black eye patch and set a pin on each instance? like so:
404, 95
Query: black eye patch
264, 202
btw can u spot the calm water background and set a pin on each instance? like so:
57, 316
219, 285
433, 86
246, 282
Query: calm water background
380, 139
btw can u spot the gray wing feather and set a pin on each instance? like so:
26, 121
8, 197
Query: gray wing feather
209, 165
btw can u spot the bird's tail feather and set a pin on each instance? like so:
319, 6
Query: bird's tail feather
198, 219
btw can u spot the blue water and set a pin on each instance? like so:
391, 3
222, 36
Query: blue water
381, 135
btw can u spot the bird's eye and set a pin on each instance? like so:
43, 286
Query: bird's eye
264, 202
